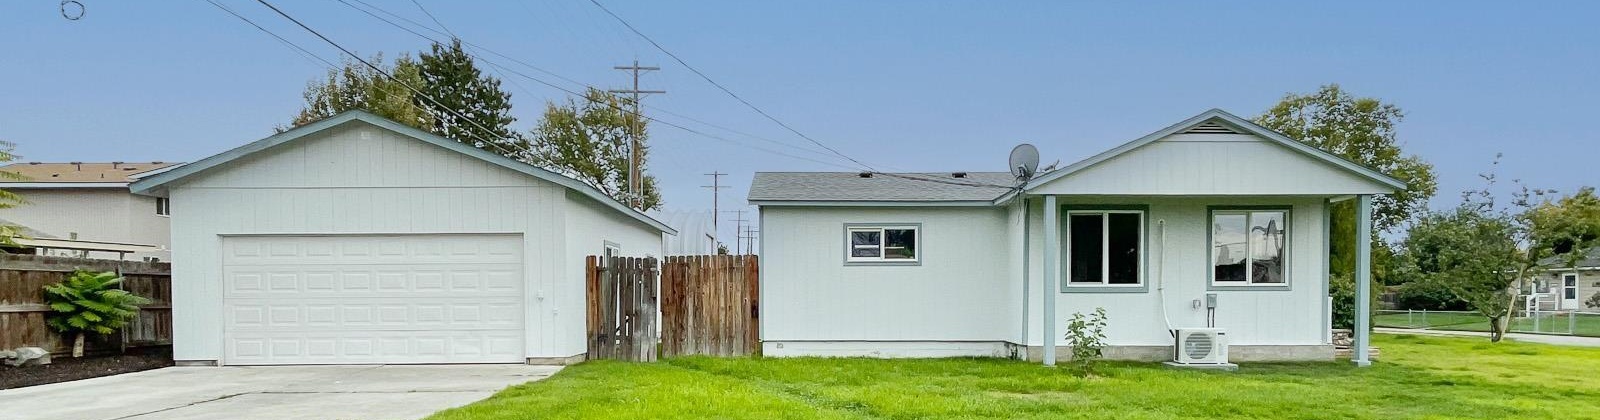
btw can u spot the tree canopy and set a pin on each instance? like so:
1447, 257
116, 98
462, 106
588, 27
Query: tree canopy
452, 78
356, 86
8, 199
1363, 131
589, 140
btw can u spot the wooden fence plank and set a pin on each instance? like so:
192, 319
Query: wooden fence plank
23, 313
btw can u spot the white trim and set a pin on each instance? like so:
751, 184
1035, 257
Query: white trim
1249, 217
1105, 250
883, 243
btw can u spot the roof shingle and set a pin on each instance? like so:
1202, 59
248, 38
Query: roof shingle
902, 187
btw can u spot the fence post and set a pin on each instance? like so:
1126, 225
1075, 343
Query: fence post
1572, 322
1412, 323
1425, 323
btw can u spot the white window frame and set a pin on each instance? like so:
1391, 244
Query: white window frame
163, 206
1249, 278
883, 243
1105, 249
1574, 287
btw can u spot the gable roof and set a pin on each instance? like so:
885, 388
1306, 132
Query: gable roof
1209, 121
1589, 260
78, 174
155, 183
850, 188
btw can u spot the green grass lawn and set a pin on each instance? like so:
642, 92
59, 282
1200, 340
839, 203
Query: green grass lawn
1418, 377
1586, 325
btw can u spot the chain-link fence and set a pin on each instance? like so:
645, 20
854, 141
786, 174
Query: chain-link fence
1538, 322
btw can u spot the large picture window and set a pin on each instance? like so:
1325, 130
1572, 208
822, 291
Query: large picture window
1105, 248
881, 244
1249, 247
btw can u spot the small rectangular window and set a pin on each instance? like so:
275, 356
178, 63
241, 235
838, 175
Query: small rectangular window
1105, 247
881, 244
1249, 247
163, 206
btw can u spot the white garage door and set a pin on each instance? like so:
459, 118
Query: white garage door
373, 299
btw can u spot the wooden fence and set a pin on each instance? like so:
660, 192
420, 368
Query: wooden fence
710, 305
622, 308
22, 308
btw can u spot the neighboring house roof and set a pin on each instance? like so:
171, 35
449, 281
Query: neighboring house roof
79, 174
1233, 121
155, 184
695, 232
802, 188
1589, 260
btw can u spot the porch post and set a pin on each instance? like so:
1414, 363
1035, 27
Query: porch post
1052, 251
1363, 327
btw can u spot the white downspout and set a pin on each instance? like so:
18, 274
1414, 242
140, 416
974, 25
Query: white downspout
1161, 276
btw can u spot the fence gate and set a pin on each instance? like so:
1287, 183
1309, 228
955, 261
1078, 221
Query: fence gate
622, 308
709, 305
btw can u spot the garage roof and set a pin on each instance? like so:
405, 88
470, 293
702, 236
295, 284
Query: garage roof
156, 184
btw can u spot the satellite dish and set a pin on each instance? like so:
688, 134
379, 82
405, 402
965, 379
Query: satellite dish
1024, 161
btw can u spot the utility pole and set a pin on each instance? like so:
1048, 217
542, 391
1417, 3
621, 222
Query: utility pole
750, 235
738, 230
635, 176
716, 188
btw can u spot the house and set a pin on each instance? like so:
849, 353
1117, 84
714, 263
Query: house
84, 209
1214, 209
696, 235
1566, 288
359, 240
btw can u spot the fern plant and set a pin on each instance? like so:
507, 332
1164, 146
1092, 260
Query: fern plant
90, 302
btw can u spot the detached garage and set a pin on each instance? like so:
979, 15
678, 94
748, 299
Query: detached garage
358, 240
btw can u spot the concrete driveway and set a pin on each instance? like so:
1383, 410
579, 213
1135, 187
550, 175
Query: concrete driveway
276, 392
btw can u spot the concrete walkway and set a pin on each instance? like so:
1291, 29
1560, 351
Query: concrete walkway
1565, 340
275, 392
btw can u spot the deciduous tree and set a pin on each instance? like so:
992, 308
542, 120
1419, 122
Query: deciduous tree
356, 86
8, 199
589, 141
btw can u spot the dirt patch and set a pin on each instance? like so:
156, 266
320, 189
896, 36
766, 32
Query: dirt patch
67, 368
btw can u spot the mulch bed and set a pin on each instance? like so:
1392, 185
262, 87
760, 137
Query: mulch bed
64, 368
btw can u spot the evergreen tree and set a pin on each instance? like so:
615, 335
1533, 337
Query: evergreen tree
451, 78
357, 86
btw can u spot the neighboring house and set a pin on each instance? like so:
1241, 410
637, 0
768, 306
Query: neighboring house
962, 264
1565, 288
359, 240
85, 209
695, 232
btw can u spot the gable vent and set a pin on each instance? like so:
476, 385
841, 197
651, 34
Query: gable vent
1210, 127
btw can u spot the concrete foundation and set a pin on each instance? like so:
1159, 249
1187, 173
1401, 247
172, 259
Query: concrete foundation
1287, 353
558, 361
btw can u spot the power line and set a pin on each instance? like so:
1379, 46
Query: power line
391, 77
764, 113
301, 51
574, 93
551, 73
725, 89
435, 19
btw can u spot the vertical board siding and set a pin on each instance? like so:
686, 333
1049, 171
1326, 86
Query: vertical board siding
23, 310
364, 180
1212, 164
1252, 317
960, 290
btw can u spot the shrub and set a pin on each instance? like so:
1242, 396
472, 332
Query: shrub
1594, 301
89, 302
1430, 295
1087, 336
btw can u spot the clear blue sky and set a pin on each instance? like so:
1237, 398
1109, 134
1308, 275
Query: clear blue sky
920, 86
